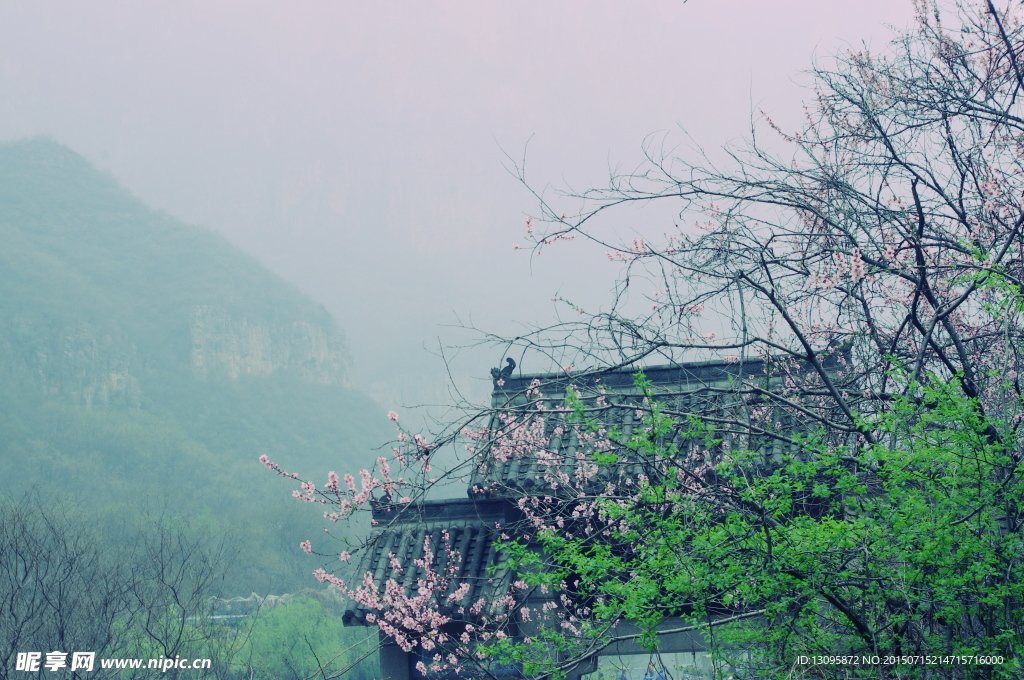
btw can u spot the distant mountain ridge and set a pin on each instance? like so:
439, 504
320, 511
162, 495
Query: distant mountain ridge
152, 362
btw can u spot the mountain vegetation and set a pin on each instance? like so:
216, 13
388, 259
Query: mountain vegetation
145, 365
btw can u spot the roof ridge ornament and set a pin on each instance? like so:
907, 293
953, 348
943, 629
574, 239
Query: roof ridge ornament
505, 373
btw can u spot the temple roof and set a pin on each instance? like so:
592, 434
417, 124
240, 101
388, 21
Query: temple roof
456, 540
532, 408
461, 536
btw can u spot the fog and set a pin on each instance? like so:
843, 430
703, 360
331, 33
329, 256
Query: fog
359, 149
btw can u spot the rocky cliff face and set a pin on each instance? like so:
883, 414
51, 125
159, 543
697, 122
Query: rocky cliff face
74, 360
227, 346
95, 367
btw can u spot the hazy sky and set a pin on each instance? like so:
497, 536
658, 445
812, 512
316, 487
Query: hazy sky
356, 147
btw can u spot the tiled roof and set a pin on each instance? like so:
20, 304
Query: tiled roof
462, 536
612, 400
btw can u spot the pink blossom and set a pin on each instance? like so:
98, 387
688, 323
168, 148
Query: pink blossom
856, 266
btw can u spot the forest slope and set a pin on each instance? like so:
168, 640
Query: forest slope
145, 364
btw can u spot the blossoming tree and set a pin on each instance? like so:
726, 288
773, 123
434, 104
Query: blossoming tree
860, 492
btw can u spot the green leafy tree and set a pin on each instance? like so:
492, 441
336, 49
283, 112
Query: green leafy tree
304, 640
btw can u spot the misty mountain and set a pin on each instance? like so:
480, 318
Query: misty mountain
146, 364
